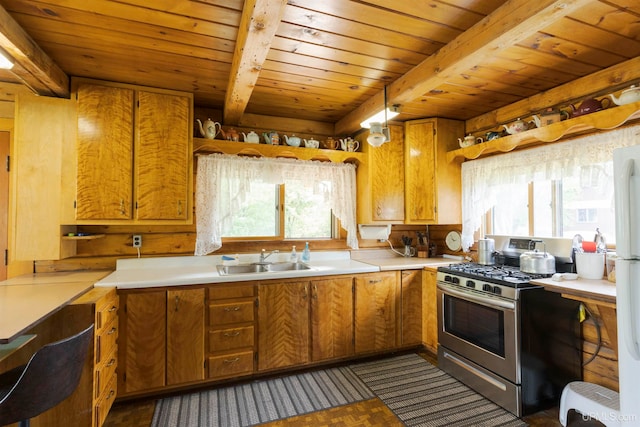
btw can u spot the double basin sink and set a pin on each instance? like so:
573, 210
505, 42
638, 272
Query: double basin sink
256, 267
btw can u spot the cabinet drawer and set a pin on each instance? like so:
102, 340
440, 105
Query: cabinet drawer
237, 312
229, 339
231, 365
104, 372
106, 341
106, 312
106, 400
231, 291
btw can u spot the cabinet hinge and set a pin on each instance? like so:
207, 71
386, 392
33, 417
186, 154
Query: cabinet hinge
136, 204
75, 204
257, 302
8, 163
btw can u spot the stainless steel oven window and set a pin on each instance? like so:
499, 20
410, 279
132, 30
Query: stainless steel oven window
475, 323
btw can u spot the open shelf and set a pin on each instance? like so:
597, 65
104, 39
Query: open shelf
201, 145
89, 237
601, 120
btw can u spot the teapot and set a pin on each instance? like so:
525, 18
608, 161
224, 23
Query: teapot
469, 140
251, 137
209, 129
627, 96
588, 106
549, 117
271, 137
311, 143
330, 144
349, 144
516, 127
492, 135
230, 135
294, 141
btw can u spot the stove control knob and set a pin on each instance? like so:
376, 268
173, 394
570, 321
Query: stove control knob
455, 280
471, 284
487, 287
497, 290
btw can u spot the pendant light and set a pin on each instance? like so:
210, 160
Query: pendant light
379, 134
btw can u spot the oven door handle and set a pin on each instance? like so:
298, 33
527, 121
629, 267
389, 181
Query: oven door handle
473, 297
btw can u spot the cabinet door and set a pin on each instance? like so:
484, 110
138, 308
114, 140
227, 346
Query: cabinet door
185, 335
411, 307
420, 172
375, 311
430, 311
105, 152
142, 351
163, 156
283, 325
387, 178
332, 318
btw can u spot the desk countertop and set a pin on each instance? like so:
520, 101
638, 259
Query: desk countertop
27, 300
599, 290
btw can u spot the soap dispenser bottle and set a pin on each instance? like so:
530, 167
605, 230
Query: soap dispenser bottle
306, 254
294, 255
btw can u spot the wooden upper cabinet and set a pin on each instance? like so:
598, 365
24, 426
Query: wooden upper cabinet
432, 185
105, 152
381, 179
163, 155
134, 154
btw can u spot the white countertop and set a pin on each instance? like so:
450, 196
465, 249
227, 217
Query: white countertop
192, 270
602, 290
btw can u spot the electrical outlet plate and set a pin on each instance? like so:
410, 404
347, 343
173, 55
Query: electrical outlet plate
137, 241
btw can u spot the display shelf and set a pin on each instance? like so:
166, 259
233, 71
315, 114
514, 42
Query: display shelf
203, 146
601, 120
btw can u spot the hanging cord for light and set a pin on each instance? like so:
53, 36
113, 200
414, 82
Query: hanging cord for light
385, 106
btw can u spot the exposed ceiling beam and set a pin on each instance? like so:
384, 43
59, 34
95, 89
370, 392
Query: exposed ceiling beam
32, 65
258, 25
506, 26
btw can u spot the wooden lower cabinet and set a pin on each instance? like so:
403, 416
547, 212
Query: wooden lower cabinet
429, 311
376, 305
332, 318
283, 324
162, 338
231, 330
411, 318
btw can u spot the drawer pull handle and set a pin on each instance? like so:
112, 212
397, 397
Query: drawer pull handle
371, 282
111, 362
112, 309
112, 331
111, 393
232, 334
237, 359
236, 308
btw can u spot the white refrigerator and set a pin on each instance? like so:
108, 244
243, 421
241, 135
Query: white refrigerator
626, 165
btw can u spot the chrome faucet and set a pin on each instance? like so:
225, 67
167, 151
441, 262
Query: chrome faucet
263, 257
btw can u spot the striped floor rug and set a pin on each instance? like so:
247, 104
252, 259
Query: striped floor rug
420, 394
262, 401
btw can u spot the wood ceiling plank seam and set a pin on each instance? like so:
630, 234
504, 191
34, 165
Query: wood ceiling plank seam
39, 66
60, 16
627, 5
340, 55
322, 75
482, 7
160, 19
602, 81
548, 61
498, 85
357, 31
478, 94
44, 29
294, 90
595, 37
539, 75
258, 26
507, 25
552, 45
618, 19
321, 64
363, 13
366, 47
309, 81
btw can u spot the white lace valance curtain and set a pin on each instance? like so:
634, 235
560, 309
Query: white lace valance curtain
223, 182
482, 179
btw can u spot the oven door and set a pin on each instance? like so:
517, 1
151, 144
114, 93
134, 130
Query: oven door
481, 327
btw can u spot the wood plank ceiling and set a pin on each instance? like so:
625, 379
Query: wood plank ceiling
327, 61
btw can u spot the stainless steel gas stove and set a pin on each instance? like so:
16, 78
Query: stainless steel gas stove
507, 338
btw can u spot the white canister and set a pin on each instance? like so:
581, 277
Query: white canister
590, 265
